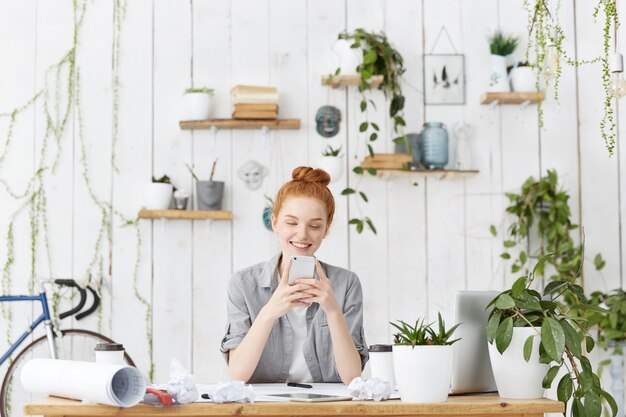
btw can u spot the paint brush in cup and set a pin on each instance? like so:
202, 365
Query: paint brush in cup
193, 174
213, 170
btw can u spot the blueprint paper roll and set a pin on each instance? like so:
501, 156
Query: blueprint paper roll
119, 385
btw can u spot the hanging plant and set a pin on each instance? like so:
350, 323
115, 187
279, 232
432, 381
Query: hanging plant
379, 58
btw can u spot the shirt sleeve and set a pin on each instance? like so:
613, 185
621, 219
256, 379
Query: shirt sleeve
238, 320
353, 314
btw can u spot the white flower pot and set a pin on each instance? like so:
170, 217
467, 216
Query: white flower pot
523, 79
498, 78
516, 378
157, 196
196, 106
423, 373
333, 165
349, 58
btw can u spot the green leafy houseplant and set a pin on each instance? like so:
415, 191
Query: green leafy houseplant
330, 151
379, 58
541, 211
562, 335
422, 334
501, 44
612, 325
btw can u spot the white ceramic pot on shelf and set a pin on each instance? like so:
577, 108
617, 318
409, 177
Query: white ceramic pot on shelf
349, 58
423, 373
196, 106
498, 78
157, 196
523, 79
516, 378
333, 165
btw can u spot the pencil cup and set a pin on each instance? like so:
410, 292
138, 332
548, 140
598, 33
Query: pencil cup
210, 194
112, 353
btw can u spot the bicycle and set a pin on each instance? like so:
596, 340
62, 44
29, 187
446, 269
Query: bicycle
73, 344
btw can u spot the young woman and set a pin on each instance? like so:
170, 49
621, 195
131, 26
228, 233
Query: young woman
311, 331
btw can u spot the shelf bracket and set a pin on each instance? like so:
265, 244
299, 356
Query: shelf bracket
493, 105
213, 132
524, 104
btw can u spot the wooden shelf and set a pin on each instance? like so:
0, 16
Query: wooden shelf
186, 214
437, 173
512, 98
350, 80
241, 124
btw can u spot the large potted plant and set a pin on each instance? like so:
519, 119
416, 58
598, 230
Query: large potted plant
550, 334
500, 46
422, 361
379, 58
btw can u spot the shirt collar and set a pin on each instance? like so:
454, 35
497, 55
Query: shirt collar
269, 272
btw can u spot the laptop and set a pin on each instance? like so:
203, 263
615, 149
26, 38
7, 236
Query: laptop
471, 368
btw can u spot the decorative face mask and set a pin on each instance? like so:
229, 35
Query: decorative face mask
252, 174
327, 121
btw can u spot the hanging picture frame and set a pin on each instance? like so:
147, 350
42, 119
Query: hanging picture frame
444, 79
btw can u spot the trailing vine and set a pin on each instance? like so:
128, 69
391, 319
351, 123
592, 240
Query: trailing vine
544, 32
60, 96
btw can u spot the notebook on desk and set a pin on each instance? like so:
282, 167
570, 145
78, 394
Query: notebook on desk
471, 367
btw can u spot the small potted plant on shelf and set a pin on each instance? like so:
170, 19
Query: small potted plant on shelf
501, 46
197, 103
523, 77
532, 336
422, 360
331, 162
158, 194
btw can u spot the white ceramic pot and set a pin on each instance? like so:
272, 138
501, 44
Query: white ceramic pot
349, 58
498, 78
157, 196
196, 106
523, 79
516, 378
423, 373
333, 165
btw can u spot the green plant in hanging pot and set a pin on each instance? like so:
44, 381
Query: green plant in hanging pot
532, 336
541, 224
611, 326
380, 58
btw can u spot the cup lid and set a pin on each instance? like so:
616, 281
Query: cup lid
109, 347
380, 348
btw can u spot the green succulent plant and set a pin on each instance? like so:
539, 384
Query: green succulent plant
422, 334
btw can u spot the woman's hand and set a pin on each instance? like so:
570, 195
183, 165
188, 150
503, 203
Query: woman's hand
319, 291
285, 297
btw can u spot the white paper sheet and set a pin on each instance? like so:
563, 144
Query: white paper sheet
264, 390
119, 385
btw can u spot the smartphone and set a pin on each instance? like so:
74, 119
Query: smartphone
301, 267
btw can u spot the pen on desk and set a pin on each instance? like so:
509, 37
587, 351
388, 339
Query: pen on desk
206, 396
295, 384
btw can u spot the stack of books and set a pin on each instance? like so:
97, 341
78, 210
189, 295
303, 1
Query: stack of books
254, 102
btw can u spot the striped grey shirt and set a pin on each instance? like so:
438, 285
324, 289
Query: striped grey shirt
250, 289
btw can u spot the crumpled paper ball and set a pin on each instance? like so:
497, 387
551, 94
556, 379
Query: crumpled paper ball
182, 386
233, 392
373, 389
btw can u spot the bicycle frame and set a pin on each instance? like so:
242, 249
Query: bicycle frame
44, 317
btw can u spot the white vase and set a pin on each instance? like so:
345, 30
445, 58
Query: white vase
349, 58
523, 79
196, 106
423, 373
498, 78
333, 165
516, 378
157, 196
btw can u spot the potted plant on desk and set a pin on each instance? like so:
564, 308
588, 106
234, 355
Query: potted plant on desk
422, 361
531, 336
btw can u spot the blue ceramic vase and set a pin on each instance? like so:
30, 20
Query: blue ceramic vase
433, 146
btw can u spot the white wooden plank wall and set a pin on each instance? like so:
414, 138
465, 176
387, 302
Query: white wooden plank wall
433, 235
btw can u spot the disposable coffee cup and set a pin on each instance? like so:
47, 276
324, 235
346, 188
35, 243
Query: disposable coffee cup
111, 353
381, 363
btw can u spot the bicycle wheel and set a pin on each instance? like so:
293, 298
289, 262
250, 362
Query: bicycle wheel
75, 344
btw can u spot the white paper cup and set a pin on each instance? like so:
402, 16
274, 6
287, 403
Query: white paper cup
111, 353
381, 363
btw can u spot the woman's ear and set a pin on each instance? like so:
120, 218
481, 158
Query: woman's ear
274, 221
327, 230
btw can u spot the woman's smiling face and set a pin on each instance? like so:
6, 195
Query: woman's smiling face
301, 226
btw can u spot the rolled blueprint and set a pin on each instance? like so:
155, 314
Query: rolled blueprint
119, 385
